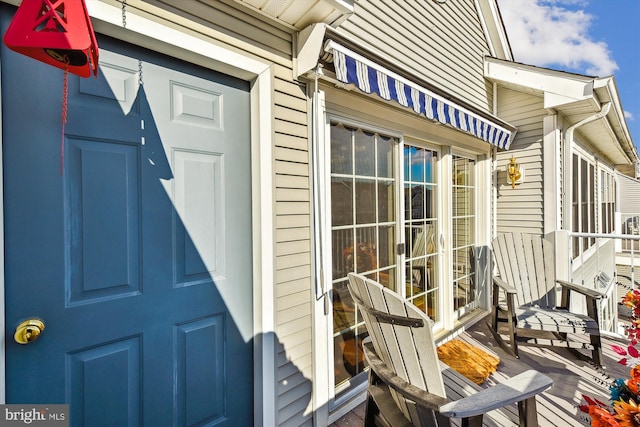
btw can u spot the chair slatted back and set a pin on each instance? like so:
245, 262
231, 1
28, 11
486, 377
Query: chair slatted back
527, 262
409, 350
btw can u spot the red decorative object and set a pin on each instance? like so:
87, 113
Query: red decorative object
57, 32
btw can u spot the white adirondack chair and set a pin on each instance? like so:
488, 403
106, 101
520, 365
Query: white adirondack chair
408, 386
526, 267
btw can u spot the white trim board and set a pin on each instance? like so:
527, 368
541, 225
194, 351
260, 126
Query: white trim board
152, 34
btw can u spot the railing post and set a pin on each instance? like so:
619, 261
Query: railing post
633, 273
561, 245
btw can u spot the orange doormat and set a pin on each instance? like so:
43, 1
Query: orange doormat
469, 361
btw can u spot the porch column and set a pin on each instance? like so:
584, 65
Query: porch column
551, 173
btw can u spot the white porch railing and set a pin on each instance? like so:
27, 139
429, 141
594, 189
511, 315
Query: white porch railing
630, 225
607, 264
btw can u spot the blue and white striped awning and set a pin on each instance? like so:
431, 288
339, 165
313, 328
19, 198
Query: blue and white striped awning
352, 68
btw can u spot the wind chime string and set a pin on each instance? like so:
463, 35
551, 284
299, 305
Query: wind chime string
63, 118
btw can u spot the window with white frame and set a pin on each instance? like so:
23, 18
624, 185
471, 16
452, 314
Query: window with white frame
421, 223
363, 233
384, 213
583, 202
607, 201
463, 235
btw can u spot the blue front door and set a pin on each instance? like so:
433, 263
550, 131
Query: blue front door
137, 257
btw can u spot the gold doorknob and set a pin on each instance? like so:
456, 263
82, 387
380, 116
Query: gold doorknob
28, 331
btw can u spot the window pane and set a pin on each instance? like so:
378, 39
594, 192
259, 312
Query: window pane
341, 201
387, 239
463, 232
417, 165
346, 308
408, 150
365, 153
462, 201
407, 201
430, 166
385, 157
342, 259
386, 201
417, 202
366, 258
365, 201
341, 150
388, 279
430, 201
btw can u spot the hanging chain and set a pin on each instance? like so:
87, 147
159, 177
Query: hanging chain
63, 118
124, 25
124, 13
140, 82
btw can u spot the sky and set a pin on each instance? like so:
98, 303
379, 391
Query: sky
590, 37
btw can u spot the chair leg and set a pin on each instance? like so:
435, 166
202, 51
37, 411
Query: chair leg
527, 412
472, 421
592, 311
370, 412
370, 407
513, 323
597, 350
513, 337
495, 315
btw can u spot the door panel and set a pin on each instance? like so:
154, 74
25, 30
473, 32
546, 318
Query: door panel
137, 257
363, 235
102, 217
463, 207
421, 227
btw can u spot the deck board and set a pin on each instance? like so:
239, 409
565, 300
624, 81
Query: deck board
572, 377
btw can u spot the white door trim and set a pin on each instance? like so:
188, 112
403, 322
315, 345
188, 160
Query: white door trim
155, 35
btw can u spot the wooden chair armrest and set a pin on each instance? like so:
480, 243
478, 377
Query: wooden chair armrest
516, 389
420, 397
592, 293
504, 285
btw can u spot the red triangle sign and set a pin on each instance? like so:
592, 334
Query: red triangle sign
57, 32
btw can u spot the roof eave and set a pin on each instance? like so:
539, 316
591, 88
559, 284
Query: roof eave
567, 93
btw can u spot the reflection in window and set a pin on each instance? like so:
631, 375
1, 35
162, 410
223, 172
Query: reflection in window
363, 224
463, 234
420, 228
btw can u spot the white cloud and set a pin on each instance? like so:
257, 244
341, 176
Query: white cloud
628, 115
555, 34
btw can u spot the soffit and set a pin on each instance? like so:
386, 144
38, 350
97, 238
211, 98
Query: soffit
298, 14
575, 97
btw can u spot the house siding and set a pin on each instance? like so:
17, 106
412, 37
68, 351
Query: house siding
629, 190
223, 22
293, 251
521, 209
443, 45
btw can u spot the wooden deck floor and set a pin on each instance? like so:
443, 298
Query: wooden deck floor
572, 378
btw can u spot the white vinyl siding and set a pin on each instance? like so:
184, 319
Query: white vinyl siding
442, 45
521, 209
628, 198
293, 252
232, 26
629, 189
